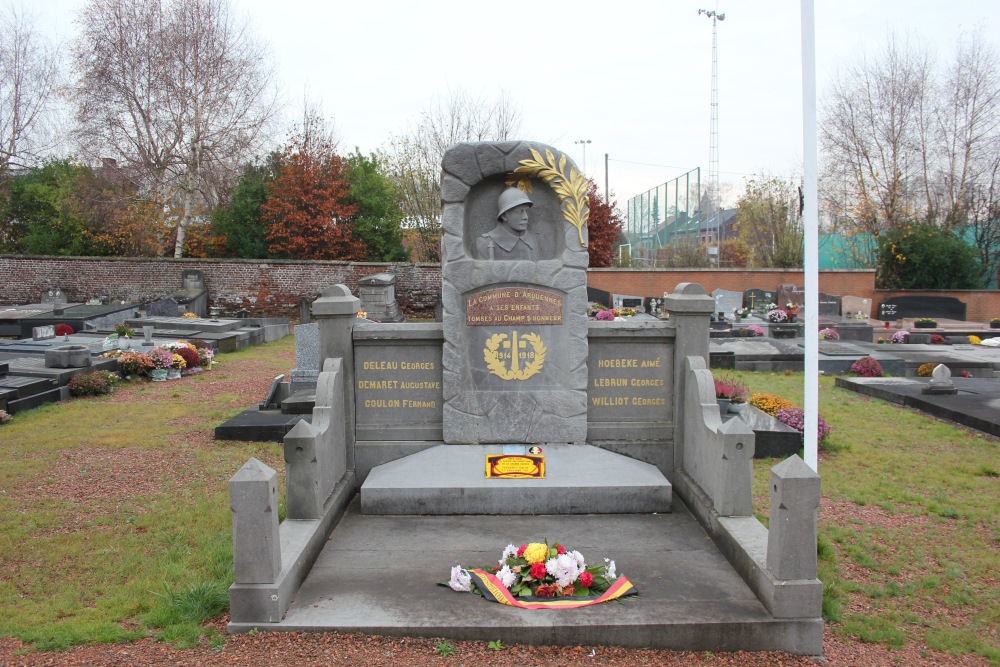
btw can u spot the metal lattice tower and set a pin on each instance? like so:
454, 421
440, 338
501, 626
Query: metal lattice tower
713, 140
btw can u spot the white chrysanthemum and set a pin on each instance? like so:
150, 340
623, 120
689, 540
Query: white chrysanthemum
563, 569
506, 576
609, 570
990, 342
460, 580
509, 552
578, 557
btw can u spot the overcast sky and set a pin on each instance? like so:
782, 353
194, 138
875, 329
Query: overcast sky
633, 77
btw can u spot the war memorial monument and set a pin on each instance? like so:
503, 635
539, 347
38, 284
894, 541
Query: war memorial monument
386, 487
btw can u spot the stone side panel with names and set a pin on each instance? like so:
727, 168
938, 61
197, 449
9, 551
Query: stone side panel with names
630, 390
397, 382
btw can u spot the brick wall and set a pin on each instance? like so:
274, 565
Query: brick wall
274, 287
264, 287
654, 282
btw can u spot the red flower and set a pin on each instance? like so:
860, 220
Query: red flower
586, 579
538, 570
545, 591
520, 550
560, 550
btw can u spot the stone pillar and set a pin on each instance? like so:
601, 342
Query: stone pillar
690, 311
336, 312
253, 498
302, 488
791, 537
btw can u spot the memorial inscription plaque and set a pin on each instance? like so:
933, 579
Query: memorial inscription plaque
514, 306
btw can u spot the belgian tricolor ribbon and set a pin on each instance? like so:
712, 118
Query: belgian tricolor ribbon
493, 590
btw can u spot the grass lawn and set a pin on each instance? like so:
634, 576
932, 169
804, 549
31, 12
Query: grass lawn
115, 520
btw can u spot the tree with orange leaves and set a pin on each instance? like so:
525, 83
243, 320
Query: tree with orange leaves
307, 211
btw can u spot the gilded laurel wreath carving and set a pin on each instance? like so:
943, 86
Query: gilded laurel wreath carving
491, 355
571, 188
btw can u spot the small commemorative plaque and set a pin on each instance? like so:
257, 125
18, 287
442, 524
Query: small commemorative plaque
514, 466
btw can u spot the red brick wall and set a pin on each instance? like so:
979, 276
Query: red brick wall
274, 287
654, 282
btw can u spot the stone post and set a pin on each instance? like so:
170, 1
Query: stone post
690, 311
336, 312
253, 498
302, 469
791, 537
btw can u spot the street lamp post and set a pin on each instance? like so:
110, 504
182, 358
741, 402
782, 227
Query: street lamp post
584, 142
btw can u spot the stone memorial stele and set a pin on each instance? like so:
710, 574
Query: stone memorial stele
757, 299
727, 301
514, 261
829, 304
856, 307
788, 293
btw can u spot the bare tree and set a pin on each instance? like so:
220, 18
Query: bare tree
414, 158
875, 116
905, 140
29, 77
178, 90
967, 124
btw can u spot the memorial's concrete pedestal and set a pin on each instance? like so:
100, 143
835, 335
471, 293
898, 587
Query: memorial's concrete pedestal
579, 479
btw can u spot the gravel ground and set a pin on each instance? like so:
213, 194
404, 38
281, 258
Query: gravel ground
314, 649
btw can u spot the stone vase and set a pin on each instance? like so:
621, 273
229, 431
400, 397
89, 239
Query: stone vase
723, 406
737, 408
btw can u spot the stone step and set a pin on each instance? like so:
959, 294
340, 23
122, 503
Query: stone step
451, 479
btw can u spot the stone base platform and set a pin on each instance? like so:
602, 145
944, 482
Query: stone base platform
379, 575
451, 479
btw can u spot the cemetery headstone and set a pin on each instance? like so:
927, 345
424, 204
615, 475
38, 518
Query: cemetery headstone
163, 308
788, 293
193, 296
242, 314
900, 307
43, 333
757, 299
515, 326
54, 295
726, 301
378, 298
625, 301
940, 382
829, 304
856, 307
307, 365
599, 296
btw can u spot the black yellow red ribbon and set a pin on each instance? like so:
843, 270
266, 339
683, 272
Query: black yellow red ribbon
493, 590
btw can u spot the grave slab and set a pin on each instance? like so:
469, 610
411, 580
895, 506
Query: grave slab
258, 426
976, 405
691, 598
579, 479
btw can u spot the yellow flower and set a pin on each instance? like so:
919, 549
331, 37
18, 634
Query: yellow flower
536, 553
